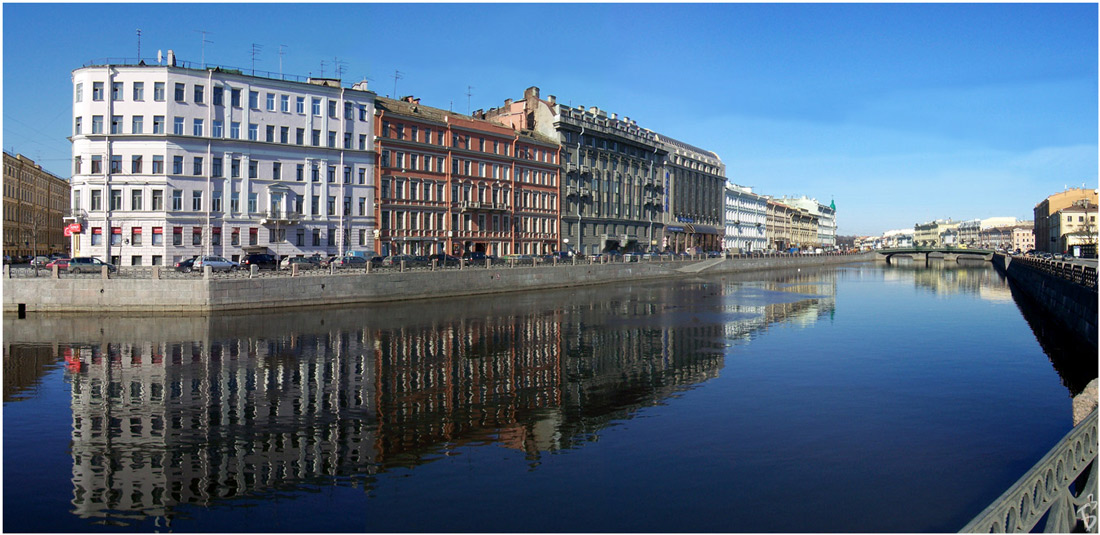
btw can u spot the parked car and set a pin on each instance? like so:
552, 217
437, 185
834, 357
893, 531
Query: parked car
216, 263
40, 261
349, 262
474, 256
444, 260
312, 262
89, 264
260, 260
410, 260
185, 266
61, 263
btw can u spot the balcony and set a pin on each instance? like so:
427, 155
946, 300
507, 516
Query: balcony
75, 215
280, 217
468, 206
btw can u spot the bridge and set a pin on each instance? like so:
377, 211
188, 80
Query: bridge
923, 254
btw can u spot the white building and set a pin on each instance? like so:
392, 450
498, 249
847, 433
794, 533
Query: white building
826, 218
171, 161
898, 238
745, 217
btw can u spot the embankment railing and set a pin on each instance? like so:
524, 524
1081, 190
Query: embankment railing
1083, 275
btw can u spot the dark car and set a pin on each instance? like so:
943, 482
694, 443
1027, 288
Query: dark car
341, 262
260, 260
474, 256
88, 264
444, 259
185, 266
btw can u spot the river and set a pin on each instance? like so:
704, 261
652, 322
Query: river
859, 398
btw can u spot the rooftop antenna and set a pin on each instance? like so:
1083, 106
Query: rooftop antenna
339, 67
396, 76
139, 43
469, 93
204, 41
281, 53
256, 49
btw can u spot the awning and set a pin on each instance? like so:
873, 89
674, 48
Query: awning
705, 229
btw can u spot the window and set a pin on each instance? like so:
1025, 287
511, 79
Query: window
97, 200
158, 124
116, 90
177, 235
300, 105
179, 92
80, 92
196, 200
315, 206
137, 125
97, 236
197, 128
196, 168
301, 171
347, 140
276, 171
316, 106
315, 173
385, 129
135, 164
362, 206
116, 124
235, 236
177, 200
331, 174
332, 108
235, 202
196, 235
135, 200
177, 165
252, 206
77, 130
219, 96
271, 102
284, 103
216, 201
301, 237
139, 91
254, 100
347, 174
235, 97
253, 165
158, 91
116, 163
316, 137
158, 201
362, 175
299, 135
97, 91
362, 112
177, 126
97, 124
116, 199
316, 237
158, 165
253, 132
362, 142
284, 134
270, 131
235, 168
216, 167
400, 131
428, 136
158, 236
331, 139
216, 129
253, 235
235, 130
198, 93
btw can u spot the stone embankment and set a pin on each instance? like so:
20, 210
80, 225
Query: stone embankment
1067, 292
153, 291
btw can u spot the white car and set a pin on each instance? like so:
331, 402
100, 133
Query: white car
216, 263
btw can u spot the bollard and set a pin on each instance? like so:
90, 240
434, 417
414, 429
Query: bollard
53, 268
253, 270
206, 271
103, 271
294, 270
402, 266
369, 262
7, 271
435, 262
488, 263
156, 272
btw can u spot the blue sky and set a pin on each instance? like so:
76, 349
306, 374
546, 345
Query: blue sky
902, 113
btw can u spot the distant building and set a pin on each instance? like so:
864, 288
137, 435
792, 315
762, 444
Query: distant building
172, 161
1046, 239
1075, 226
938, 233
825, 214
746, 217
35, 202
790, 227
1023, 236
898, 238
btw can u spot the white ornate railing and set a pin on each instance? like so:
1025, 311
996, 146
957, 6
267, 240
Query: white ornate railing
1061, 487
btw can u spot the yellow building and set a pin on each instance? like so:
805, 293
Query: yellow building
938, 233
34, 203
1045, 237
1074, 226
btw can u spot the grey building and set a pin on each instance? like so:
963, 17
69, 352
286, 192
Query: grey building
695, 180
615, 193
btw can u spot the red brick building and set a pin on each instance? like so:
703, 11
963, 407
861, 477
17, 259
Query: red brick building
454, 184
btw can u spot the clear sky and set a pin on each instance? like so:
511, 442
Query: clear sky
901, 113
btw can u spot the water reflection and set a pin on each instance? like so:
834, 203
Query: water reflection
193, 410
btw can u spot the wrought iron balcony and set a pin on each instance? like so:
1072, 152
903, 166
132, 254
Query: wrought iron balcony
280, 217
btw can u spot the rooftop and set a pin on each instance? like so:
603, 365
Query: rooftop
170, 60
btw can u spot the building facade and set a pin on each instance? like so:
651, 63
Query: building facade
1023, 236
1075, 228
453, 184
826, 218
34, 203
614, 192
172, 161
1045, 237
746, 218
696, 181
938, 233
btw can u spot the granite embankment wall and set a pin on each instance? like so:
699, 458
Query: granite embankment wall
201, 295
1071, 303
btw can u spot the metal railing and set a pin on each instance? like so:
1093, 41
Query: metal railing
1061, 487
1077, 273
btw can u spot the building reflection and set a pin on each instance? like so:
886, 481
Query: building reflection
201, 410
951, 278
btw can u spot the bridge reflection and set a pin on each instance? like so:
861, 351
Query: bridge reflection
170, 411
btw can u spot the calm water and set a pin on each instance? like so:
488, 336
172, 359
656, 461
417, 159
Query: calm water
861, 398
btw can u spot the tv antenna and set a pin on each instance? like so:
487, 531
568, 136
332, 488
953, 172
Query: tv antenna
256, 49
397, 75
204, 41
339, 67
469, 93
281, 54
139, 43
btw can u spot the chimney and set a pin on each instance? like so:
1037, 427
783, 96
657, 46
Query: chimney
171, 57
614, 116
507, 103
552, 99
532, 91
